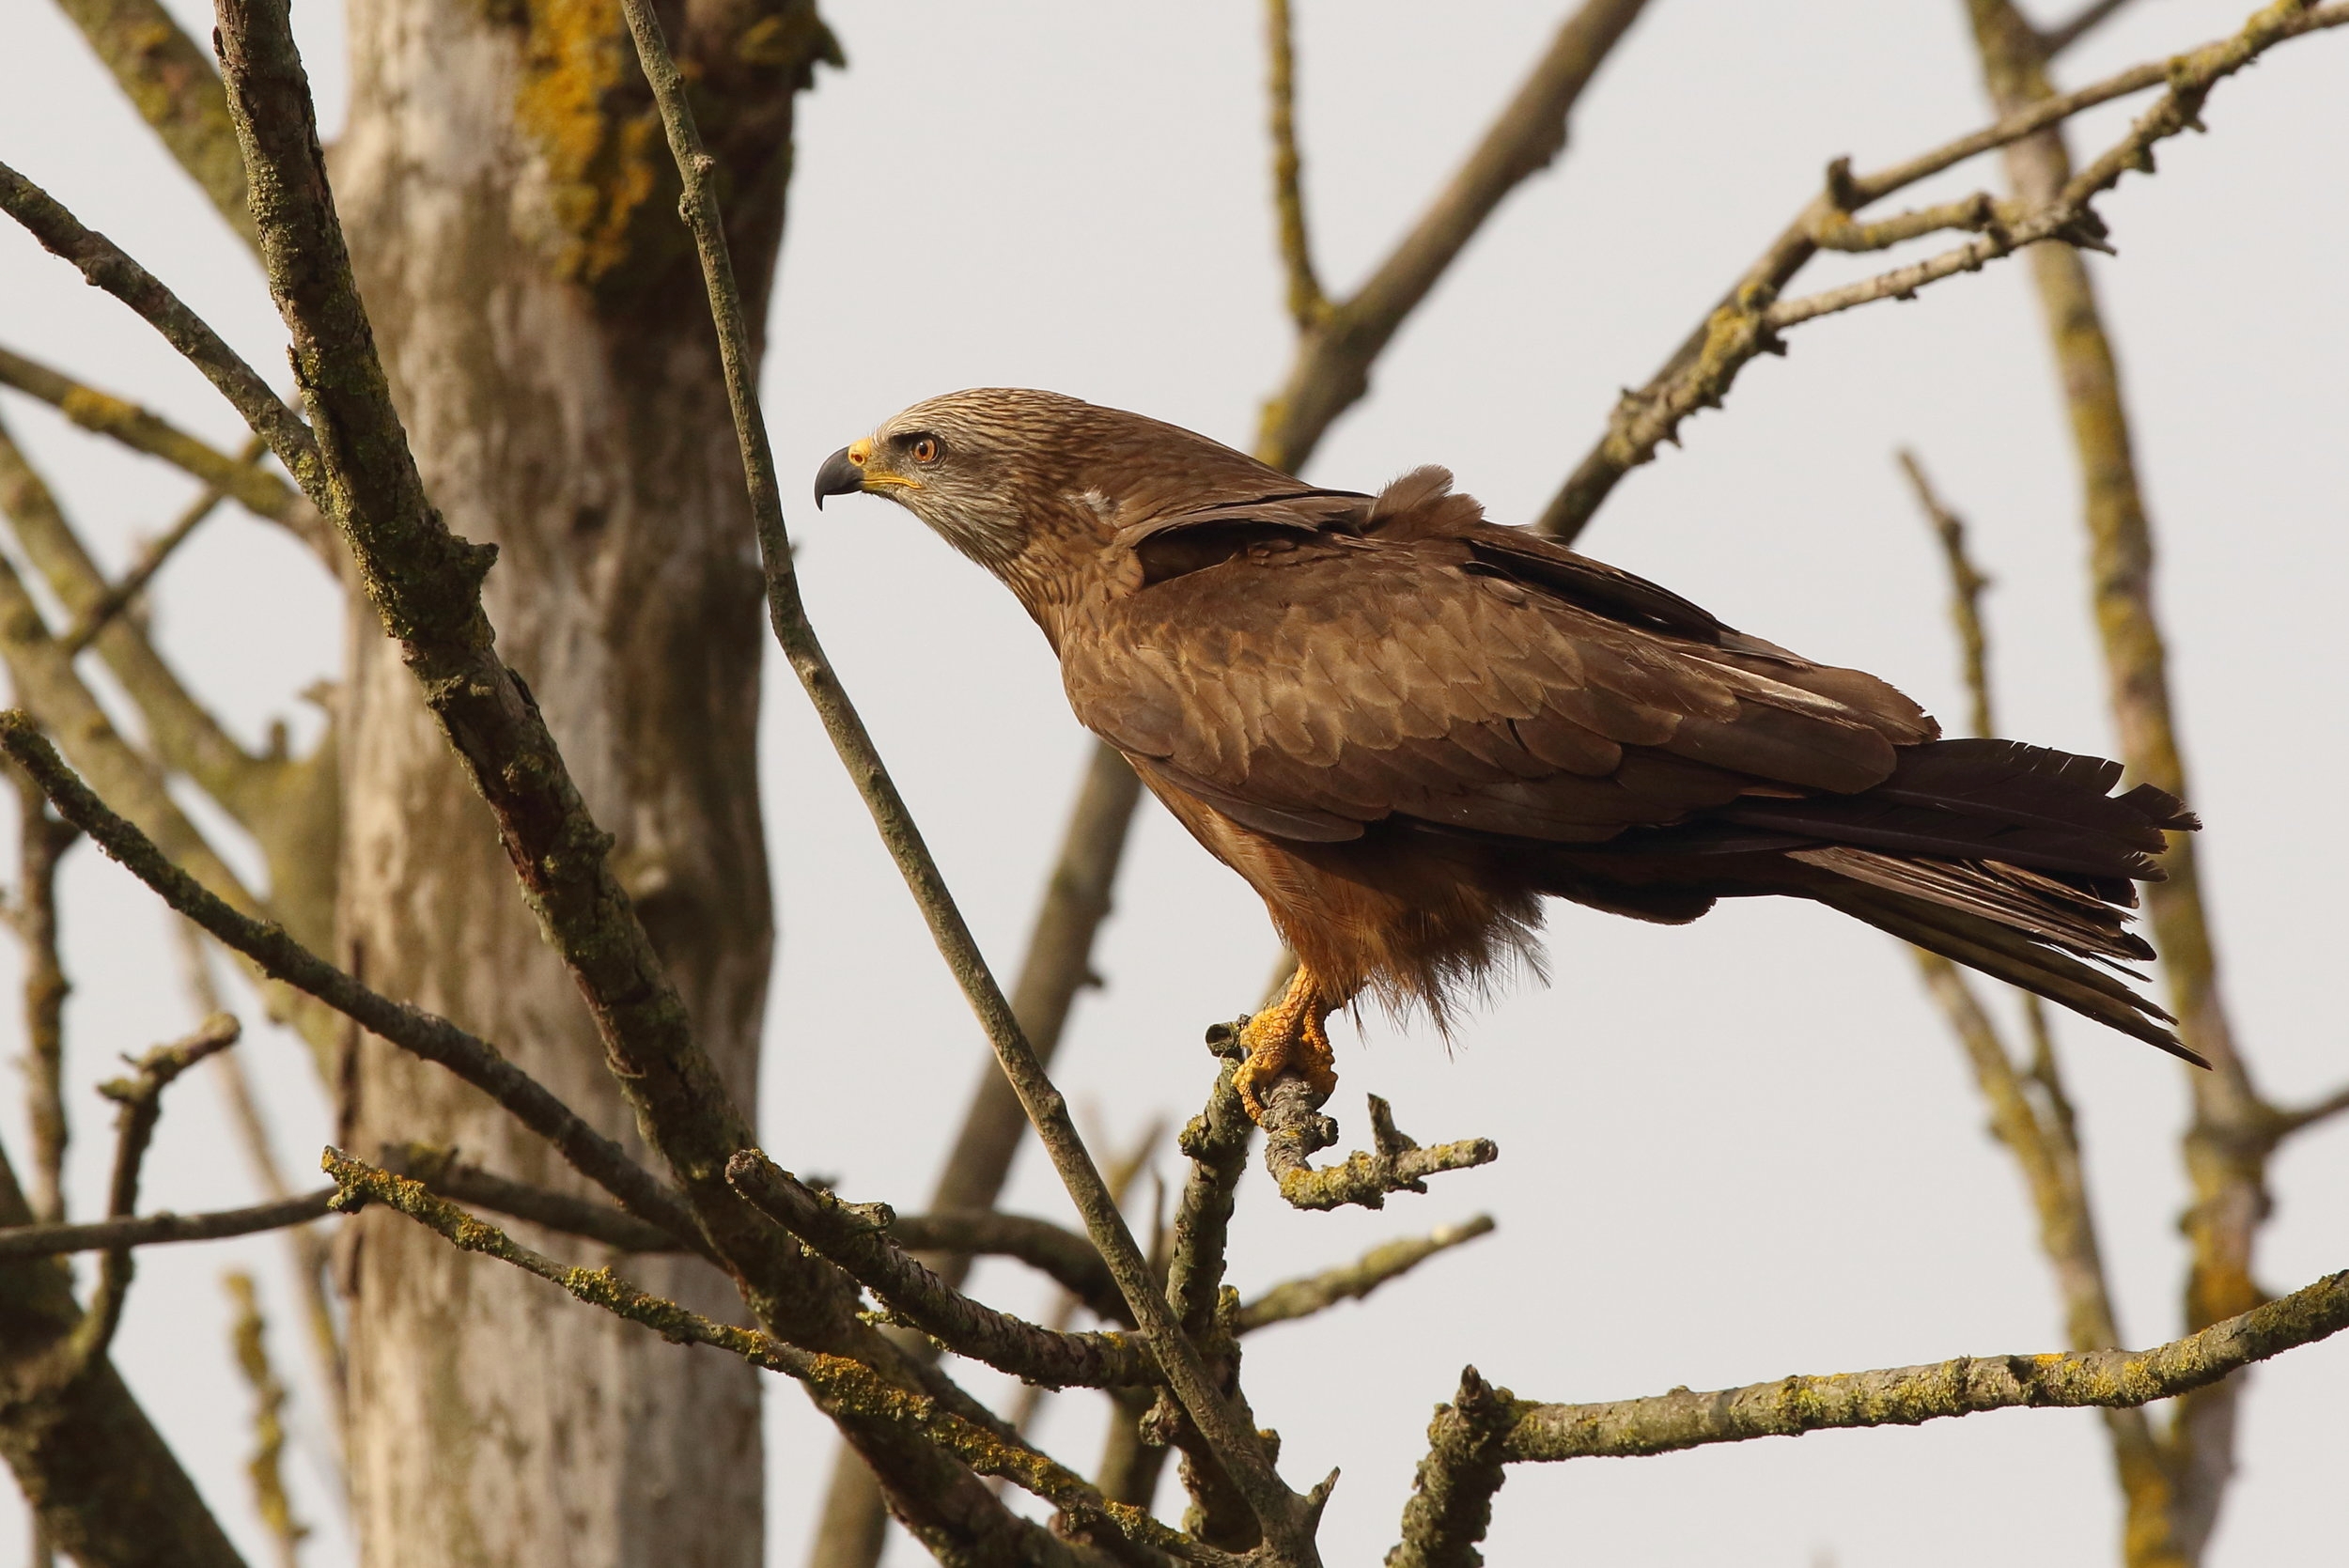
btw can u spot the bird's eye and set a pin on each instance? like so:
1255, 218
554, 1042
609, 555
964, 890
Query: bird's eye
925, 449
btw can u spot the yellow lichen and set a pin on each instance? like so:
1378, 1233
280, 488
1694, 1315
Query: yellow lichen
601, 144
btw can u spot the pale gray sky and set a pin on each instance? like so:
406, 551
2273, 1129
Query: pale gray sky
1730, 1152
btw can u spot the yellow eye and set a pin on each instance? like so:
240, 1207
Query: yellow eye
925, 449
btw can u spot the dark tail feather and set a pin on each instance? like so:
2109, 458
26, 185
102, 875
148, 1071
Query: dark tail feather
2019, 958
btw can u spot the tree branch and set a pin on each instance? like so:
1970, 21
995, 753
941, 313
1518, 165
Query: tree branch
2304, 1117
1307, 303
141, 1099
1333, 368
2227, 1143
844, 1383
854, 1238
2095, 13
1282, 1511
422, 1035
1744, 325
242, 479
1909, 1396
1294, 1131
1451, 1495
171, 83
118, 595
149, 1230
248, 1340
1296, 1299
42, 843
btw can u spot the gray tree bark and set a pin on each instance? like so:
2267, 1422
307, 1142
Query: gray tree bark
513, 220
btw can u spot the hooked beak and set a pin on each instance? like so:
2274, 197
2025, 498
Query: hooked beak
843, 473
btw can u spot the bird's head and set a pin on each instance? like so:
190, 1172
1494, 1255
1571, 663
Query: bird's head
1026, 482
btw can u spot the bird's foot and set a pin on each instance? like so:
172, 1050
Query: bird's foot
1287, 1039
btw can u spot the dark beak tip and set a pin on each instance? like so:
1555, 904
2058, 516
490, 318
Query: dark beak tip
838, 476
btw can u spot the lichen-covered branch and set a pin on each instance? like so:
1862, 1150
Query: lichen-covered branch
171, 83
1294, 1131
1332, 371
1061, 1254
1746, 323
1306, 302
249, 1341
2228, 1139
422, 1035
1451, 1494
240, 480
1909, 1396
855, 1238
1392, 1260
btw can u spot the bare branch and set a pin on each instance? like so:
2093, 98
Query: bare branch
1063, 1255
141, 1099
42, 840
1744, 325
1294, 1131
2095, 13
1282, 1511
842, 1382
1333, 368
2304, 1117
1840, 231
1452, 1497
1307, 303
120, 595
1966, 586
243, 480
855, 1238
1907, 1396
171, 83
1296, 1299
249, 1338
2227, 1142
421, 1035
106, 267
149, 1230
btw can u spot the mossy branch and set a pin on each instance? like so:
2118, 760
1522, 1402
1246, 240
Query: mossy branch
1450, 1504
1316, 1293
1294, 1131
249, 1342
1909, 1396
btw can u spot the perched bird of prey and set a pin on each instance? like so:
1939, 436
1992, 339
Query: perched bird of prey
1405, 725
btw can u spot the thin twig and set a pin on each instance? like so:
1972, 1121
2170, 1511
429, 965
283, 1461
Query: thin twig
2056, 40
1701, 371
119, 595
248, 1338
1294, 1131
151, 1229
845, 1384
2303, 1117
141, 1099
1907, 1396
1967, 585
1307, 303
1282, 1511
421, 1035
1316, 1293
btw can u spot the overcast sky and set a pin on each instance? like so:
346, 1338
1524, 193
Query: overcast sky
1729, 1152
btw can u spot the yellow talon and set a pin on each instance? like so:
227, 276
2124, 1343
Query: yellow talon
1288, 1038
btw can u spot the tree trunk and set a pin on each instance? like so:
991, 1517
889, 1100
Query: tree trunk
513, 219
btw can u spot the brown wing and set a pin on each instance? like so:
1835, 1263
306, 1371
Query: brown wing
1309, 680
